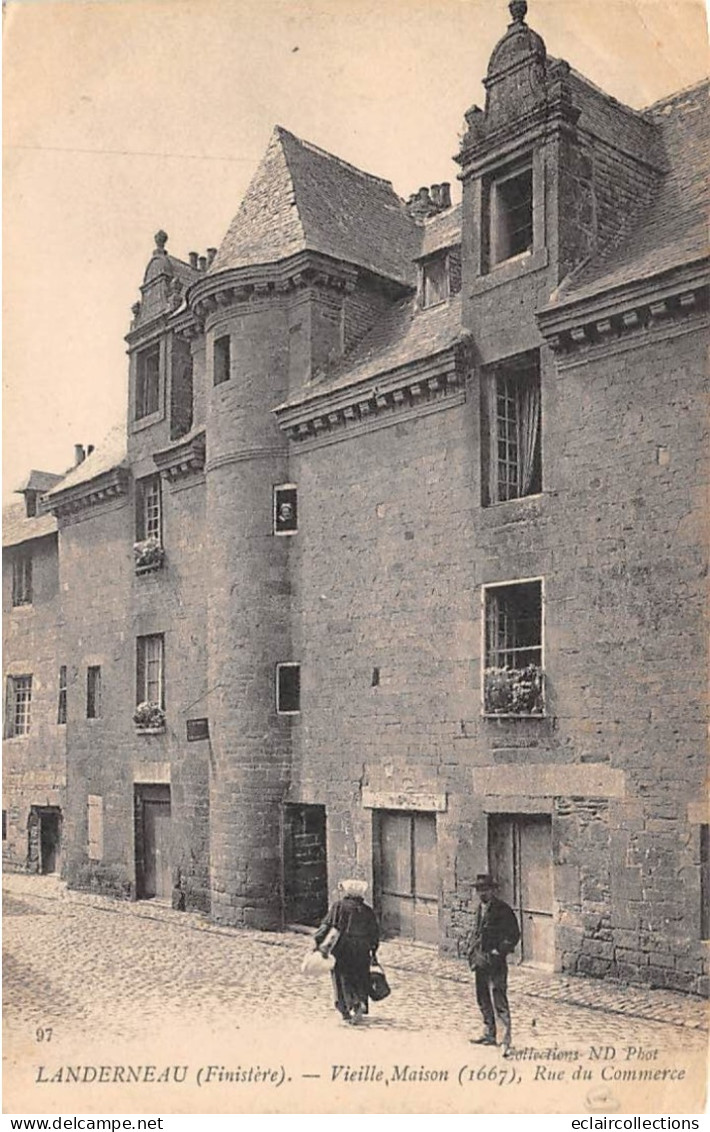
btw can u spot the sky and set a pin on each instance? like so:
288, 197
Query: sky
122, 117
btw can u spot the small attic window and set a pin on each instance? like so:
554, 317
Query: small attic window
434, 287
510, 215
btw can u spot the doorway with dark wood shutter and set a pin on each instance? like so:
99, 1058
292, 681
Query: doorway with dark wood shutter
305, 865
154, 871
520, 859
407, 875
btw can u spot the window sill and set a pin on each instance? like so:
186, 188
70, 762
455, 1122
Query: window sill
150, 730
148, 567
509, 269
137, 425
514, 715
23, 605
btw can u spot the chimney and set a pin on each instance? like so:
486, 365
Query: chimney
211, 253
89, 449
203, 263
441, 195
79, 455
193, 261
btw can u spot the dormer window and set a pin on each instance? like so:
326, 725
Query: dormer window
435, 280
510, 214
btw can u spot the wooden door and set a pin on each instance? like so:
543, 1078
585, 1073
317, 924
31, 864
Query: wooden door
407, 875
157, 868
520, 859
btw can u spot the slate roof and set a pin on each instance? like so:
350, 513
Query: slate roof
302, 198
405, 334
17, 528
441, 231
672, 230
39, 481
110, 454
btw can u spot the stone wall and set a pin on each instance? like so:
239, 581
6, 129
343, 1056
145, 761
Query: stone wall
34, 772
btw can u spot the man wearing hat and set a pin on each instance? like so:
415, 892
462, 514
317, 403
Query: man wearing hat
494, 936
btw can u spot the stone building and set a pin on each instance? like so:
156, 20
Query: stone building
403, 557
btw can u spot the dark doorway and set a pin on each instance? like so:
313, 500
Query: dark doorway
44, 839
407, 875
154, 869
305, 865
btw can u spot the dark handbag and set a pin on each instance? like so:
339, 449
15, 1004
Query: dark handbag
379, 987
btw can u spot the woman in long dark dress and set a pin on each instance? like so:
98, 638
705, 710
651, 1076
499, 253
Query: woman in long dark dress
356, 946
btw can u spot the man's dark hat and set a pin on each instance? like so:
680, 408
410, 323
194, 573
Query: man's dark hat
485, 880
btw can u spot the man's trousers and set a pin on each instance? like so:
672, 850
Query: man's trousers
492, 991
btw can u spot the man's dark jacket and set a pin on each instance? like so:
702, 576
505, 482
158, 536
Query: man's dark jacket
496, 930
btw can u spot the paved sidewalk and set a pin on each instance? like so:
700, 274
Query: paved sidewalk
608, 997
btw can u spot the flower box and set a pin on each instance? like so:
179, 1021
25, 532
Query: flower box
514, 691
149, 719
148, 556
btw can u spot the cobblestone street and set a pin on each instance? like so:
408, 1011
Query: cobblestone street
107, 976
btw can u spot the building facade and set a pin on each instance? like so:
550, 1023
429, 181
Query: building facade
401, 568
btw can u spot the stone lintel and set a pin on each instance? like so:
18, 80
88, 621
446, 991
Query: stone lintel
699, 812
144, 773
549, 780
401, 800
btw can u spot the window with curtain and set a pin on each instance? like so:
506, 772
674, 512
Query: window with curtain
149, 509
513, 673
149, 670
511, 447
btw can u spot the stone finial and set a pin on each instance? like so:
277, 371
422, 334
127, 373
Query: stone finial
518, 10
161, 239
136, 309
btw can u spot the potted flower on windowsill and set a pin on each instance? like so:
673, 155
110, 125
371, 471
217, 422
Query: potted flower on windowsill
514, 691
148, 555
149, 719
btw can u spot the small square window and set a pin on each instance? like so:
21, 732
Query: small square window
222, 360
93, 692
62, 700
435, 281
510, 215
147, 382
22, 578
513, 672
285, 509
288, 689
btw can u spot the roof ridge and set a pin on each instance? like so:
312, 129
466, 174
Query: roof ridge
333, 157
279, 131
668, 98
